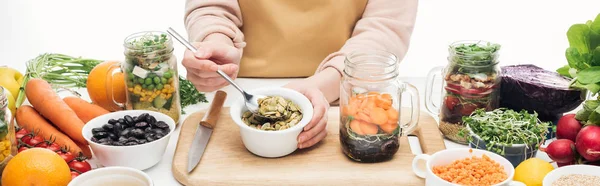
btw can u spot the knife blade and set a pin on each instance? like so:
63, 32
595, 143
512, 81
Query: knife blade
204, 130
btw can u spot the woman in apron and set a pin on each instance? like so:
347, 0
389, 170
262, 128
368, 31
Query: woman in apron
292, 39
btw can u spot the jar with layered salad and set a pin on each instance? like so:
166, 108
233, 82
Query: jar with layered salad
151, 76
7, 131
470, 81
370, 106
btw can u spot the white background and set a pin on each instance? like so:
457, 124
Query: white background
530, 31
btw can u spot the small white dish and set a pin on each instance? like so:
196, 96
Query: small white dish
139, 157
113, 176
555, 174
272, 144
448, 156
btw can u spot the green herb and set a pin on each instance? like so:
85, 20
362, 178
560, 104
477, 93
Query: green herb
475, 54
583, 56
189, 94
504, 127
60, 70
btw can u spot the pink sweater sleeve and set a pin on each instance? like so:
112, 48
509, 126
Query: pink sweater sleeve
385, 25
205, 17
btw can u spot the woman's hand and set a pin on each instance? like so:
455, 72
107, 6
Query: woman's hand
202, 66
315, 131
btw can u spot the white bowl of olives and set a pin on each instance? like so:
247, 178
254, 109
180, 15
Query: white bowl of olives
130, 138
273, 138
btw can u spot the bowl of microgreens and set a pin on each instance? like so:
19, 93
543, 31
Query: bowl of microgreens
514, 135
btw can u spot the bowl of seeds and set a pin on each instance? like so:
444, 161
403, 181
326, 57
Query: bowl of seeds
284, 113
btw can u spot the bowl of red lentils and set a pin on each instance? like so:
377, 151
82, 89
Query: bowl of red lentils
465, 166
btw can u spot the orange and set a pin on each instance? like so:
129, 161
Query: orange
36, 166
97, 87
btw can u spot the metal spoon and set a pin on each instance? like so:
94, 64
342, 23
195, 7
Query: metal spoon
251, 101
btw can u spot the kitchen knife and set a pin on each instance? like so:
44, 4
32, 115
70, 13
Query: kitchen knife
205, 129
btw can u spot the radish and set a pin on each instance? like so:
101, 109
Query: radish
564, 164
568, 127
561, 150
588, 143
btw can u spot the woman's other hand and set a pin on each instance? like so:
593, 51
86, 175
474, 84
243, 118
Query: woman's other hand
315, 131
202, 66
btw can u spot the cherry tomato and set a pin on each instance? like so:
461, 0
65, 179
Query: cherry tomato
26, 139
67, 156
42, 145
22, 132
451, 102
36, 140
80, 165
22, 149
54, 147
74, 174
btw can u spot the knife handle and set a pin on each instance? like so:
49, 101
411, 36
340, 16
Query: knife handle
212, 115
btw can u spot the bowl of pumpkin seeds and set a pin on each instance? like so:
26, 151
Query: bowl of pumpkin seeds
284, 113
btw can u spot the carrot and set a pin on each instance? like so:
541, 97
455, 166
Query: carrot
85, 110
392, 114
28, 118
364, 117
368, 128
85, 149
378, 116
355, 126
48, 103
389, 127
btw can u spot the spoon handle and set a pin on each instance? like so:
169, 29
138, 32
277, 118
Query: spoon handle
190, 47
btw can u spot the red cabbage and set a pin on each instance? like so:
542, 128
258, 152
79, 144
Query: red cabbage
534, 89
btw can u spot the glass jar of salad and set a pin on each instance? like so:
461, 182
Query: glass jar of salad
370, 106
151, 77
470, 81
7, 131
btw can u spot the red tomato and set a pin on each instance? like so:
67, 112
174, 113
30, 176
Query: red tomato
67, 156
467, 109
74, 174
42, 145
22, 132
26, 139
54, 147
22, 149
451, 102
80, 165
36, 140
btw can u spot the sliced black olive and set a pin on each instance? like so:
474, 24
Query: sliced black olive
131, 139
122, 121
126, 132
96, 130
131, 143
122, 139
162, 124
113, 136
141, 125
158, 136
129, 120
108, 127
142, 141
138, 133
113, 121
101, 134
94, 139
102, 140
151, 119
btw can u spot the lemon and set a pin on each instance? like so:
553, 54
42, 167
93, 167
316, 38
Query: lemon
532, 171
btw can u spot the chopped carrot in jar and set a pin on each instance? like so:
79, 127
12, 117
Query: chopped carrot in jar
472, 171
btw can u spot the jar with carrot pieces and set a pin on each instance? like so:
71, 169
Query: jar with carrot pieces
370, 106
7, 131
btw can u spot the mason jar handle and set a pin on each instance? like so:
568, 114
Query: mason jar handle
410, 126
109, 84
415, 165
430, 105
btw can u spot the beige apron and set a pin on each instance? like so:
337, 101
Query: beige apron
290, 38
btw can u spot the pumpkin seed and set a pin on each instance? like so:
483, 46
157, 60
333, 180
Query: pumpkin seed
281, 113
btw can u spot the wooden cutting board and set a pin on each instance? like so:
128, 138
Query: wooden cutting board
227, 162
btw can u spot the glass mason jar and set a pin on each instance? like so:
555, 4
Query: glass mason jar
7, 131
471, 80
151, 76
370, 106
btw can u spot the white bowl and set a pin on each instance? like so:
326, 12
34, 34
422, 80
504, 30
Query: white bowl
137, 156
448, 156
272, 144
113, 176
555, 174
